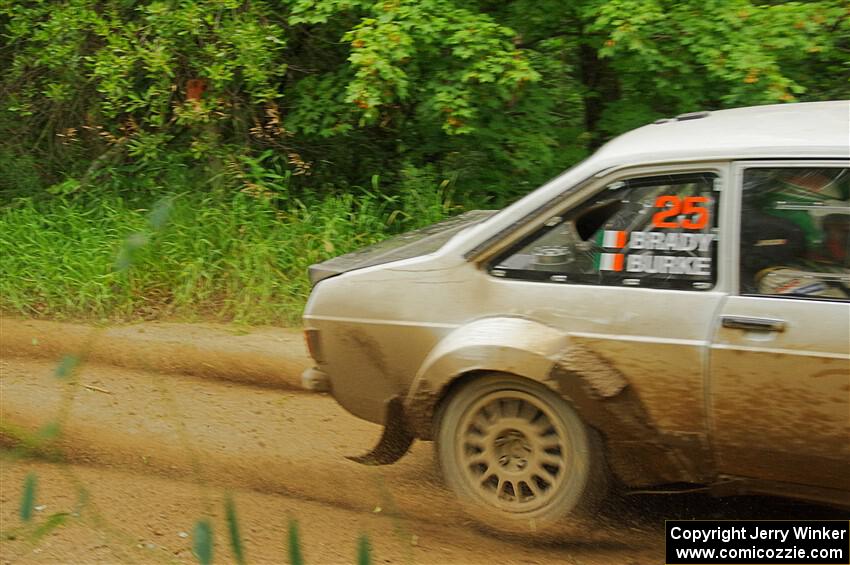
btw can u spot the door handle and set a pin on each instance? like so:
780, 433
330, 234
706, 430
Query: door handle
758, 324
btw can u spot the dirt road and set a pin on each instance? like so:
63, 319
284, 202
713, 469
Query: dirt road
156, 452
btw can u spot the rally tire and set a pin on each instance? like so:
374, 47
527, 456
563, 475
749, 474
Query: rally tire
519, 458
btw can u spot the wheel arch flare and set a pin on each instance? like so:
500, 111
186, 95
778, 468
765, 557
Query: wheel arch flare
637, 452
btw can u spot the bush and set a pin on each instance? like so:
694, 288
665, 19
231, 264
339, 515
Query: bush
222, 256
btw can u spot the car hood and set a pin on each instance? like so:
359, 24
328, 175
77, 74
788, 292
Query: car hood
405, 246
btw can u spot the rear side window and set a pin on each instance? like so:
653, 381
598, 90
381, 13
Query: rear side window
656, 232
795, 232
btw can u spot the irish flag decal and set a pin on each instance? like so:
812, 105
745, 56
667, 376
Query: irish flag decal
610, 261
613, 238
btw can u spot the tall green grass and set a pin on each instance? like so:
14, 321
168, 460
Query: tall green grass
233, 257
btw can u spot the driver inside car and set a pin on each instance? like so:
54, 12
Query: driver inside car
825, 274
822, 226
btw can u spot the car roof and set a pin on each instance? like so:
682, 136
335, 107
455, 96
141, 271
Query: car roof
812, 129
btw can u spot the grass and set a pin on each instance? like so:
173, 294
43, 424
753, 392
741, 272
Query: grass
219, 257
237, 257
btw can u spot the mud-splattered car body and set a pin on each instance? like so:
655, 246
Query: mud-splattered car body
688, 377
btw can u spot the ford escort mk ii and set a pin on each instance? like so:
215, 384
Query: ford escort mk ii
674, 309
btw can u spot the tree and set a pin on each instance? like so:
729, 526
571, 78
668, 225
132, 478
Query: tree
500, 94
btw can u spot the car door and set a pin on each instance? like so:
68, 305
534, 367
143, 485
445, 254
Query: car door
631, 275
780, 355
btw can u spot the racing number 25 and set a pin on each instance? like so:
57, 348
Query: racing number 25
690, 206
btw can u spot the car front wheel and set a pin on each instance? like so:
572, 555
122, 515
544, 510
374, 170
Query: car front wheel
518, 456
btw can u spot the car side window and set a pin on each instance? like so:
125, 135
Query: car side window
655, 232
795, 233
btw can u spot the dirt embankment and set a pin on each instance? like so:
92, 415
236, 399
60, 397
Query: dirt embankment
263, 356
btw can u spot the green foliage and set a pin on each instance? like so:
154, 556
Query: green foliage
735, 52
301, 95
28, 497
53, 521
202, 542
67, 366
266, 118
18, 172
364, 551
233, 530
294, 545
446, 58
229, 257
